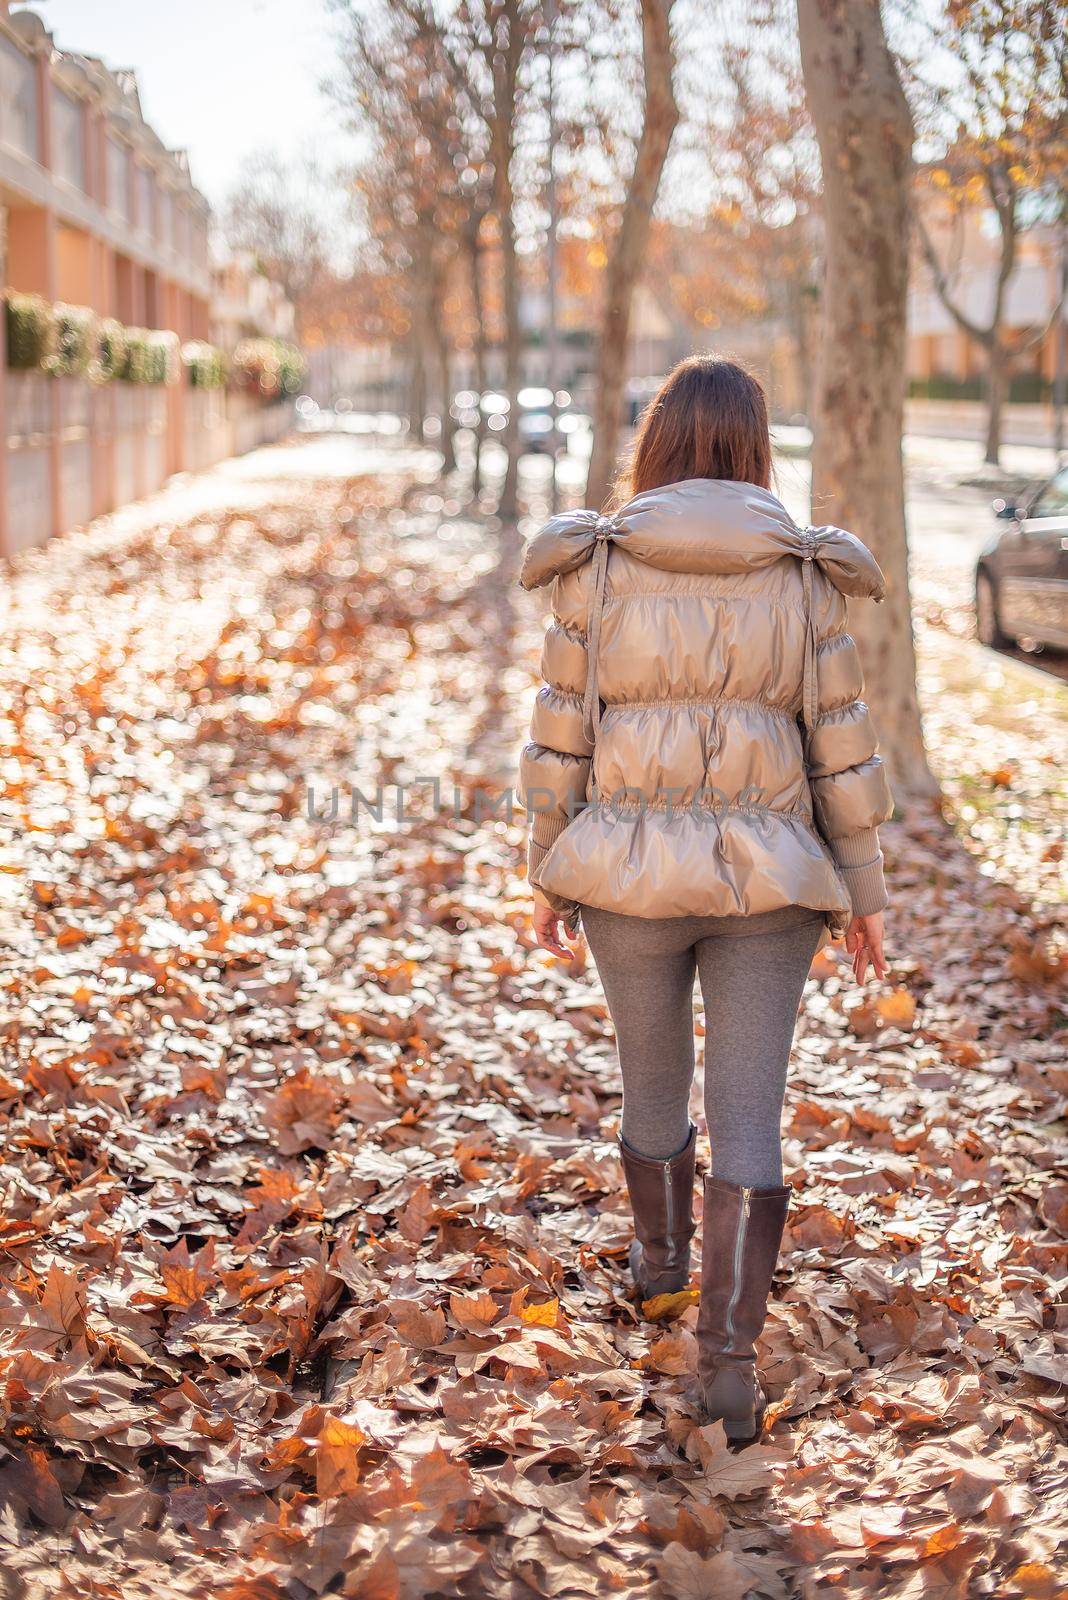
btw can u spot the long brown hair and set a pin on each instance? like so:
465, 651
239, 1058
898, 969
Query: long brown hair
708, 419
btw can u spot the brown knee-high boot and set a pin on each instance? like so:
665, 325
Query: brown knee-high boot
740, 1242
661, 1197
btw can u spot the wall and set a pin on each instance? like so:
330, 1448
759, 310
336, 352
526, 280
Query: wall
77, 450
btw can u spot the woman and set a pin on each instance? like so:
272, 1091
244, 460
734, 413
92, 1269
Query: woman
705, 797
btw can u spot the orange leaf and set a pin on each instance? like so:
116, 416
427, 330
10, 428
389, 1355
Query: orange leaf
303, 1113
544, 1315
337, 1465
1034, 1581
666, 1307
186, 1277
898, 1009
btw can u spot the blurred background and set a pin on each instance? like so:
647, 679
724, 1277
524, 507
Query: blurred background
424, 200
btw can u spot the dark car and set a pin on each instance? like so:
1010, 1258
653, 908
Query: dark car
1021, 581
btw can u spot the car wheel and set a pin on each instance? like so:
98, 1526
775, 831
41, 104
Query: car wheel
987, 622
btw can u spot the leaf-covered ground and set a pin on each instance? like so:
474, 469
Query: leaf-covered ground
312, 1273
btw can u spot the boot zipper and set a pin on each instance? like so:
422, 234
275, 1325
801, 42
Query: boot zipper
736, 1268
669, 1259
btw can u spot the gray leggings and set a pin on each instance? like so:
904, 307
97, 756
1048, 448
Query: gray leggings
752, 972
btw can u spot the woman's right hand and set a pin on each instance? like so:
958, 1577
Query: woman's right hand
549, 930
864, 941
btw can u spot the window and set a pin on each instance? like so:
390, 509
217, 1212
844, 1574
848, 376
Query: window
118, 167
181, 241
146, 200
166, 218
68, 139
1053, 499
199, 247
18, 100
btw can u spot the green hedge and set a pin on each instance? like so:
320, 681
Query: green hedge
1025, 388
110, 350
64, 341
149, 356
30, 332
205, 366
72, 341
271, 366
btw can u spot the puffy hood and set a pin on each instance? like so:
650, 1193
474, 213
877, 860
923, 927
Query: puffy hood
704, 525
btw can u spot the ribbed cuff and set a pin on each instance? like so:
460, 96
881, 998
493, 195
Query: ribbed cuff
536, 854
860, 861
546, 827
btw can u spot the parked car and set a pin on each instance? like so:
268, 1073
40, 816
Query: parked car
1021, 580
535, 431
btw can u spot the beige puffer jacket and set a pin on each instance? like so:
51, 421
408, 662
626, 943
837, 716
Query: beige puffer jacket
700, 747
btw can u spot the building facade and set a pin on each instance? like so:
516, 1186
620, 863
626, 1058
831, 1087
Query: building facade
942, 358
94, 212
246, 304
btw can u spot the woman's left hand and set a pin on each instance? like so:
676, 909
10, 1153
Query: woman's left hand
549, 930
864, 941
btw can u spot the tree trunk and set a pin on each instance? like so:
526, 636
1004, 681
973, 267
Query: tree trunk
508, 505
660, 115
798, 316
448, 421
443, 362
417, 384
997, 388
864, 130
474, 259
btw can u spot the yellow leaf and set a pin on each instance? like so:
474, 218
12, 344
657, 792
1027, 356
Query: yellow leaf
898, 1009
1034, 1581
541, 1316
666, 1307
337, 1466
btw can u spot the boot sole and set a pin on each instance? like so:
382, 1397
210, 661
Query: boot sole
741, 1428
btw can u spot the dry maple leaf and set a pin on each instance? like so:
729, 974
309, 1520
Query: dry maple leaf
666, 1307
63, 1305
546, 1314
1034, 1580
475, 1313
186, 1277
731, 1472
674, 1352
1038, 963
685, 1575
422, 1326
337, 1458
303, 1114
416, 1219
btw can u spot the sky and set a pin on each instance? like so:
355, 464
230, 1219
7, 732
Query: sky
222, 79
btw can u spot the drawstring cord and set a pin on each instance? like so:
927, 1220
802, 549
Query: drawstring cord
810, 686
605, 529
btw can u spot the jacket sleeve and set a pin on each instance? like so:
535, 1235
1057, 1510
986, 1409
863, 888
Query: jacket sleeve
850, 791
555, 764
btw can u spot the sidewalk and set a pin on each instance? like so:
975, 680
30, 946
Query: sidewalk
314, 1235
966, 419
